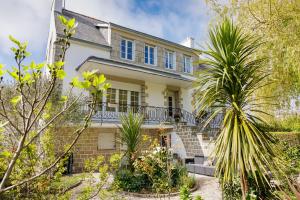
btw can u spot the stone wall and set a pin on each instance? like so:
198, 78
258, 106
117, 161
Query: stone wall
87, 145
188, 135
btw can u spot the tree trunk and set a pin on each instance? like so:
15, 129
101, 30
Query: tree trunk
244, 185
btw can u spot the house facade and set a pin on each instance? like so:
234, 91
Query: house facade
148, 75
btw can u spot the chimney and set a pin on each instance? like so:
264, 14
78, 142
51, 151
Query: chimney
188, 42
58, 5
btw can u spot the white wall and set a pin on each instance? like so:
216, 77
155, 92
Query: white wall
155, 94
186, 95
78, 53
177, 145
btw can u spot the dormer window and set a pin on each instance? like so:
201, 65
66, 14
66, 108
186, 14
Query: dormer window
127, 49
150, 55
187, 64
170, 60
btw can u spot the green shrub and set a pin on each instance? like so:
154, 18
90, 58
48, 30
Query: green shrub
185, 193
198, 197
128, 181
154, 171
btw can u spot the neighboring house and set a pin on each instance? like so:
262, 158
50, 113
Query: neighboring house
148, 75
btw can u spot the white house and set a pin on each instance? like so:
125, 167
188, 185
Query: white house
149, 75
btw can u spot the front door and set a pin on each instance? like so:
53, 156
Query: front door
171, 104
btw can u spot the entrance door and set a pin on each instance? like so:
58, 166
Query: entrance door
171, 104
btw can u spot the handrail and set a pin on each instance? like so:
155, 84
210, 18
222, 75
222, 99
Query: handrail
106, 112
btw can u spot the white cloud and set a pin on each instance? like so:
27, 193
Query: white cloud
174, 19
26, 20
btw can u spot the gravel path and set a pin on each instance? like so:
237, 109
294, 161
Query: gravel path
208, 189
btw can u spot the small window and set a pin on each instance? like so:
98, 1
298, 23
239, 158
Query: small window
169, 60
127, 49
187, 65
149, 55
122, 100
106, 141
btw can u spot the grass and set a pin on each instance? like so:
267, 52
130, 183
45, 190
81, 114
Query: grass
66, 182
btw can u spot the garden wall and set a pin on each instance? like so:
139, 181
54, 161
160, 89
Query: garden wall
88, 143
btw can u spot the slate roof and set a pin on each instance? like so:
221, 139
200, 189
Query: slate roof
86, 29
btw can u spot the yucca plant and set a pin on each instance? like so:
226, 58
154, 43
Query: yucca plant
228, 84
131, 135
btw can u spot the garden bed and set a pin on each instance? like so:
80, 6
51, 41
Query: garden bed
156, 195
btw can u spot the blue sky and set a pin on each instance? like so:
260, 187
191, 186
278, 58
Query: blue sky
28, 20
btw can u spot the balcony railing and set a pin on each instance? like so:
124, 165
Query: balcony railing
111, 113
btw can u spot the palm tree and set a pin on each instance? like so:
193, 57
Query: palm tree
228, 84
131, 135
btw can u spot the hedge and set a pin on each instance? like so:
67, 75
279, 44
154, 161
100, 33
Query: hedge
292, 138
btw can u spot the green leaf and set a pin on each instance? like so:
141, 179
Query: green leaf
14, 75
88, 74
59, 64
2, 72
86, 84
61, 74
27, 77
16, 100
75, 82
64, 98
14, 40
63, 20
71, 23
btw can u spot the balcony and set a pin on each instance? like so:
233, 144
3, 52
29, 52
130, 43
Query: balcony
111, 113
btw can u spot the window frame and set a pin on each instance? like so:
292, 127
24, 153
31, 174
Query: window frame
185, 57
148, 55
126, 49
167, 60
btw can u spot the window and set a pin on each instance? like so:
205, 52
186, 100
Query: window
187, 65
122, 100
149, 55
169, 60
127, 49
99, 103
134, 101
106, 141
111, 99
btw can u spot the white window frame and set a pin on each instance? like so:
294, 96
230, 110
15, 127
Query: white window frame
185, 57
154, 55
126, 49
168, 58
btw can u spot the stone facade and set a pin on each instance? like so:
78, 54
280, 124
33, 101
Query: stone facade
139, 44
87, 145
188, 135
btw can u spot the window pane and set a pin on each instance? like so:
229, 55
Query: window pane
146, 54
170, 60
166, 60
111, 100
129, 50
134, 101
123, 48
122, 100
99, 102
187, 64
151, 55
